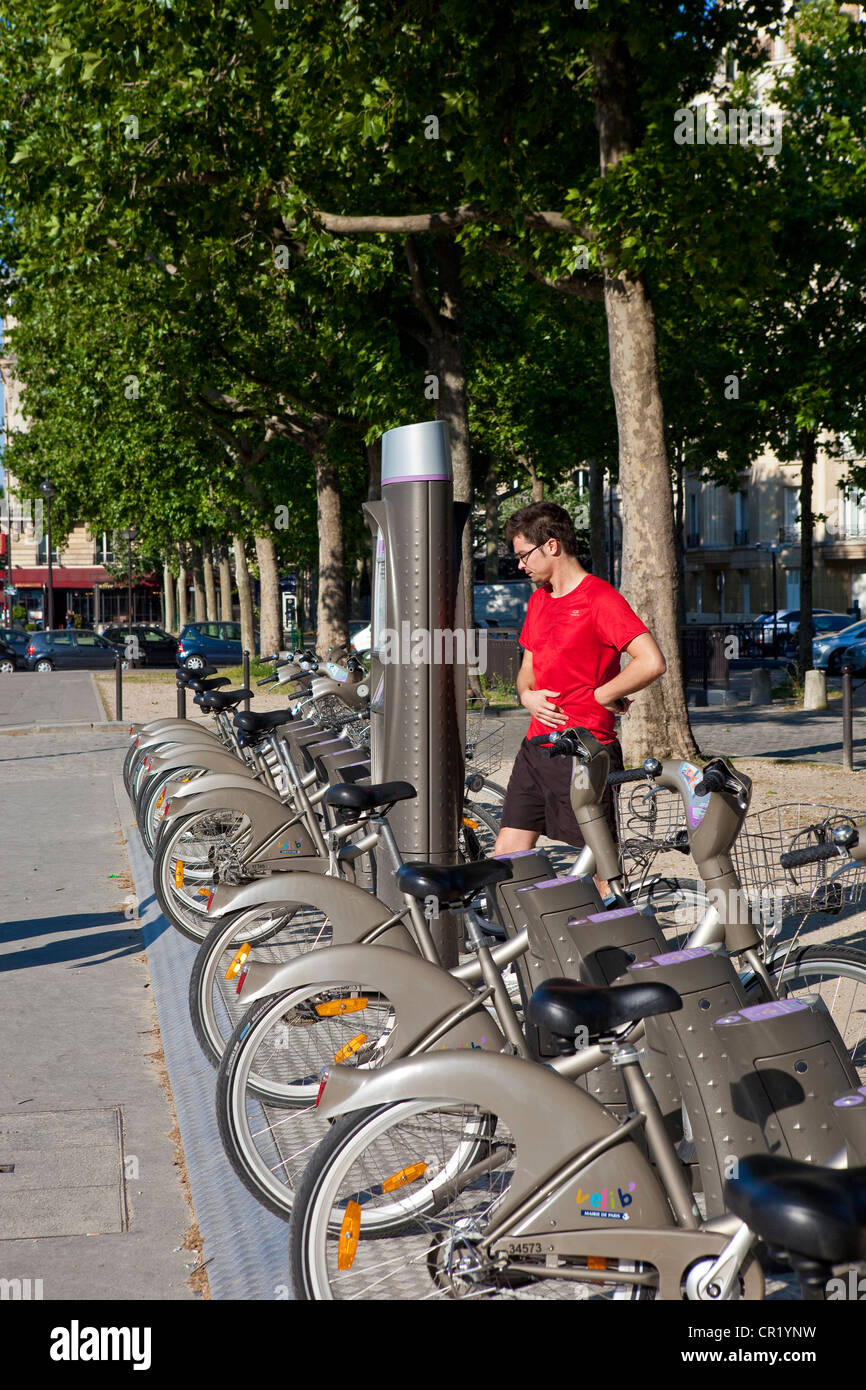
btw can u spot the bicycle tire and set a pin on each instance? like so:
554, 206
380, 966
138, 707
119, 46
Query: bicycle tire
211, 996
268, 1079
404, 1245
187, 912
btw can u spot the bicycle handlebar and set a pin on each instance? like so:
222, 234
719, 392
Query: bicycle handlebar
267, 680
812, 854
634, 774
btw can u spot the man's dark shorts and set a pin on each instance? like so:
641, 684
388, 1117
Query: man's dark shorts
538, 795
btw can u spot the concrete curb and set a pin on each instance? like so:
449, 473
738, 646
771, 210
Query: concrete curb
81, 727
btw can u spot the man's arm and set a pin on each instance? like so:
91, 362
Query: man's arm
536, 701
646, 665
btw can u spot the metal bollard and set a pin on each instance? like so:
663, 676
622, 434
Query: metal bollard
118, 686
246, 681
181, 701
847, 720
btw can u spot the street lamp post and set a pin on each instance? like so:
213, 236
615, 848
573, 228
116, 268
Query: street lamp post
129, 537
773, 547
48, 490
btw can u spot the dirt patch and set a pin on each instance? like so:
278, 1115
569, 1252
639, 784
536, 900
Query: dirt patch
154, 696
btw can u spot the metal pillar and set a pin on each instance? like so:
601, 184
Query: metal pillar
418, 676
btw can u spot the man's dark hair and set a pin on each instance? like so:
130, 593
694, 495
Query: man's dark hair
540, 522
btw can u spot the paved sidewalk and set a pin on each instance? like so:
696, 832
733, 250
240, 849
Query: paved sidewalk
94, 1207
745, 731
58, 697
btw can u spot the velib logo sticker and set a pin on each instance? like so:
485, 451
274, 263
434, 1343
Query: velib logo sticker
607, 1205
696, 808
77, 1343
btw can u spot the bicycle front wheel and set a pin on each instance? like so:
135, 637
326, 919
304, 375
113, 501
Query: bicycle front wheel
394, 1204
269, 1076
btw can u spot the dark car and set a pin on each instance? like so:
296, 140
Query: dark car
153, 646
216, 643
9, 659
66, 649
16, 638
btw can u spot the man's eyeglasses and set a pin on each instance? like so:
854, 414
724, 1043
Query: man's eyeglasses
521, 559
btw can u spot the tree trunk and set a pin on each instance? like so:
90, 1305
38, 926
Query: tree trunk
808, 450
226, 607
658, 724
452, 406
182, 592
270, 617
209, 583
198, 583
491, 524
245, 598
332, 629
596, 516
537, 494
169, 615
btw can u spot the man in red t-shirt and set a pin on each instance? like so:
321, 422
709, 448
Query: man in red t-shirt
576, 629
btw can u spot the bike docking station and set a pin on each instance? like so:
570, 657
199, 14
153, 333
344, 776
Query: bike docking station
418, 701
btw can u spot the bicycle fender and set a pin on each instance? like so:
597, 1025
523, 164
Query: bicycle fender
219, 792
422, 994
550, 1120
214, 760
353, 912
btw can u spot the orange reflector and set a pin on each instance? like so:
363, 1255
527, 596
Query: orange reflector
178, 874
596, 1262
405, 1175
350, 1234
204, 893
341, 1006
238, 961
473, 824
351, 1046
160, 799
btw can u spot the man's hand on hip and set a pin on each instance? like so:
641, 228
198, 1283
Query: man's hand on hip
541, 708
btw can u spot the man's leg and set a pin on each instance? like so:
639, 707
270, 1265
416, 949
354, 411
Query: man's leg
511, 841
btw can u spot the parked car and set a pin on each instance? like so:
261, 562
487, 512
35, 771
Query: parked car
155, 646
9, 658
828, 646
788, 625
853, 656
15, 637
66, 649
216, 643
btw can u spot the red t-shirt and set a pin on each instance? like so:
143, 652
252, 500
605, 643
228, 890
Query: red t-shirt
576, 641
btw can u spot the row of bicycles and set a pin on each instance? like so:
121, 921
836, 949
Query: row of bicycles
658, 1095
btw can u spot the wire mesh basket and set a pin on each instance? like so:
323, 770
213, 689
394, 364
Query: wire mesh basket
649, 820
486, 753
357, 731
334, 711
476, 708
773, 891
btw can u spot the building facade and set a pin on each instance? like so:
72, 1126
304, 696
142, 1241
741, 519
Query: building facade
735, 540
80, 581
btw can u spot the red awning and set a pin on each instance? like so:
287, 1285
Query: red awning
61, 577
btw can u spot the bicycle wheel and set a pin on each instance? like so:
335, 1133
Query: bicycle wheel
276, 933
478, 832
838, 975
394, 1204
183, 875
269, 1076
